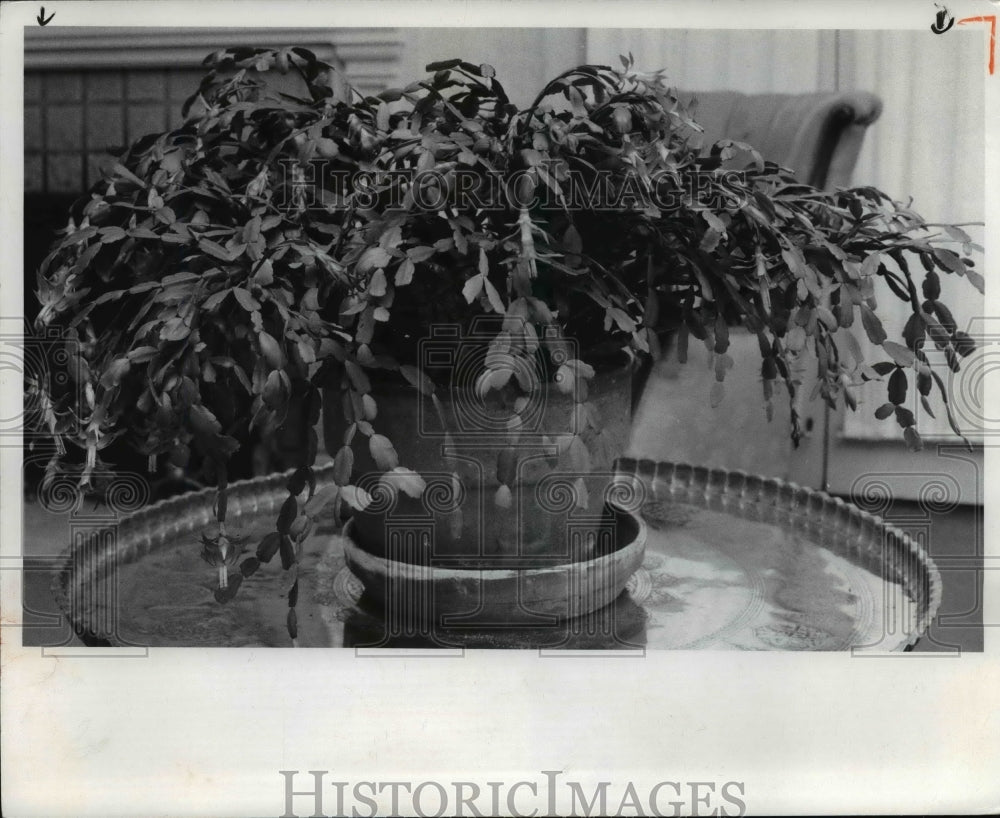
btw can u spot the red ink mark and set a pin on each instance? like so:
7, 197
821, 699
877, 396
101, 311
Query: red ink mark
992, 20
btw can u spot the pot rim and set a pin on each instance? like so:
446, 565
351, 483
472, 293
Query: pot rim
413, 572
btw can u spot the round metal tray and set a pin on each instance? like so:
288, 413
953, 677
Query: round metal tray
733, 561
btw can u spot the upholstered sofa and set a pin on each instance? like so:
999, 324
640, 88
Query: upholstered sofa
818, 135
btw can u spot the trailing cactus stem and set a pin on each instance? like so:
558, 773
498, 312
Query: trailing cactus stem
527, 242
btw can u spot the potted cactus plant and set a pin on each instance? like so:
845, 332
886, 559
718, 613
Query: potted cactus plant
448, 297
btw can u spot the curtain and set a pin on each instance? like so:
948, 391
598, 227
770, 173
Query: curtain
928, 144
752, 61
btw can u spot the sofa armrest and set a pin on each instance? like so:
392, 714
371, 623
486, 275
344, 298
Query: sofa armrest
850, 116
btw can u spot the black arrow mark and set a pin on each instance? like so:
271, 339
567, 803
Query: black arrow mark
943, 21
42, 21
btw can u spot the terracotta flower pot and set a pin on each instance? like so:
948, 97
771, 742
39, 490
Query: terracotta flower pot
457, 446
